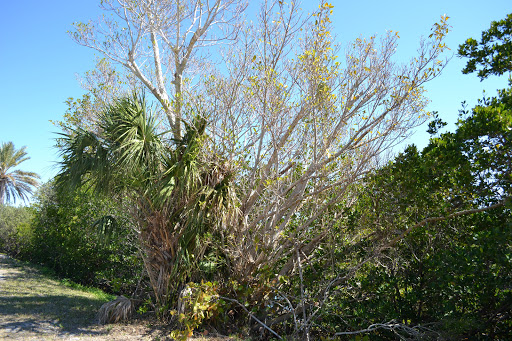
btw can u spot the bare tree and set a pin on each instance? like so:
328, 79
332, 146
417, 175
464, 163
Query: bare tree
303, 123
158, 40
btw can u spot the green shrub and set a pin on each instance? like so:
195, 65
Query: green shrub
15, 229
66, 237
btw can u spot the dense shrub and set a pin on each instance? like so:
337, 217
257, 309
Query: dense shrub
453, 278
15, 229
85, 238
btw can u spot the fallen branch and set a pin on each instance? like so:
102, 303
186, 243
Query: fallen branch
395, 327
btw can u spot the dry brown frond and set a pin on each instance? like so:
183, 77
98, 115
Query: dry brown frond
117, 310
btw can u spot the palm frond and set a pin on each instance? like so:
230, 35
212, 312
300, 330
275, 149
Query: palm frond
117, 310
133, 131
107, 226
126, 155
86, 158
17, 183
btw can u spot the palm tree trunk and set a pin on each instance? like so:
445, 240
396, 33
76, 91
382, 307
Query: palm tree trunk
160, 257
159, 272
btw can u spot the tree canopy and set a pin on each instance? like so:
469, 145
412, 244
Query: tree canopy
492, 55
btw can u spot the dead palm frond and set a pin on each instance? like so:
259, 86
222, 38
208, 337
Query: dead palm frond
120, 309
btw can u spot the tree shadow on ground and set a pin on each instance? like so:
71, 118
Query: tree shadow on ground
32, 302
69, 314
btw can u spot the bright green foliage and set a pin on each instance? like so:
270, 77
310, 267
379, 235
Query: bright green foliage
200, 302
493, 54
486, 137
66, 239
14, 183
451, 277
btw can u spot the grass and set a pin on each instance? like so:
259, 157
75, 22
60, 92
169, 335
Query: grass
47, 272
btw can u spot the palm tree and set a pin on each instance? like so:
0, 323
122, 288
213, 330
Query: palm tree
15, 183
176, 191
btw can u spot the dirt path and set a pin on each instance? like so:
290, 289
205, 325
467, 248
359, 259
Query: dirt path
34, 307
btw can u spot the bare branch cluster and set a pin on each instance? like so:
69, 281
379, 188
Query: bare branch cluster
303, 123
157, 40
402, 331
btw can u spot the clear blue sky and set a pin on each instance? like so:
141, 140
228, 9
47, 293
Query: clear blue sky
39, 62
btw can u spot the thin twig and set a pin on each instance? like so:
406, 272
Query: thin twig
302, 293
251, 315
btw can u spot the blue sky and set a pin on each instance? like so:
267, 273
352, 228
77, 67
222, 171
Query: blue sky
39, 62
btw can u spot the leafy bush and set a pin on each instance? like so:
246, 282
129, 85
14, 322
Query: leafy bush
85, 238
15, 229
199, 302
